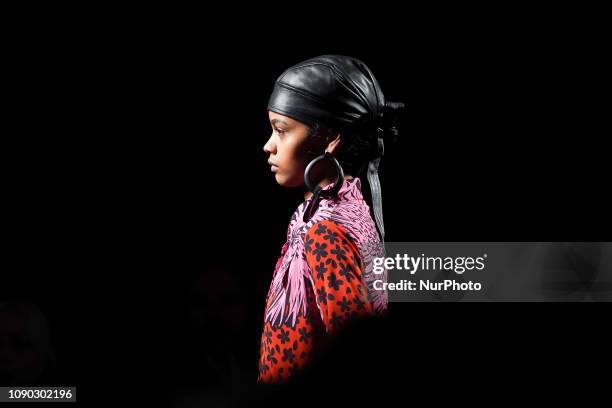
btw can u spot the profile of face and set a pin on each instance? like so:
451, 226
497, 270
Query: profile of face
291, 147
287, 149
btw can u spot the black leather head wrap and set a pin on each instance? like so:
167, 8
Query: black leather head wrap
340, 93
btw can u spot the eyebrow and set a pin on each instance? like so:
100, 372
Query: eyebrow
275, 121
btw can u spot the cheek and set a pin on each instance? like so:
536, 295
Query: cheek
292, 159
292, 166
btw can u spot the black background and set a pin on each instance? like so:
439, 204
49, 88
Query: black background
138, 163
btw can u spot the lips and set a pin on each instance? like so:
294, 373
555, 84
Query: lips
273, 167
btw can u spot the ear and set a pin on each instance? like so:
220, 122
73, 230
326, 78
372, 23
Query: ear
334, 145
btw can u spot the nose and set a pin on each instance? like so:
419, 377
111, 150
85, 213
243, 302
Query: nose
270, 147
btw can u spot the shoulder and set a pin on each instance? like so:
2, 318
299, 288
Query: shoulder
329, 239
328, 231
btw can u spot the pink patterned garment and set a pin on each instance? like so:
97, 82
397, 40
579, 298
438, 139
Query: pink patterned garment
322, 280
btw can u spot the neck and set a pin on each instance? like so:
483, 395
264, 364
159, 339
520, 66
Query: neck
323, 183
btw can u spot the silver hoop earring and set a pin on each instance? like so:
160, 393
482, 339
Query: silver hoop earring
317, 191
339, 181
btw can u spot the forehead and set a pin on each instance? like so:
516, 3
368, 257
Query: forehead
281, 119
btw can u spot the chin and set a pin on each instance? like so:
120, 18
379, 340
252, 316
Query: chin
285, 181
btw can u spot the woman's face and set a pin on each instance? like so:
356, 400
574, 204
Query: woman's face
287, 148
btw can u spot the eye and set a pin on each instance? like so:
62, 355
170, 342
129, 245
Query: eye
280, 131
